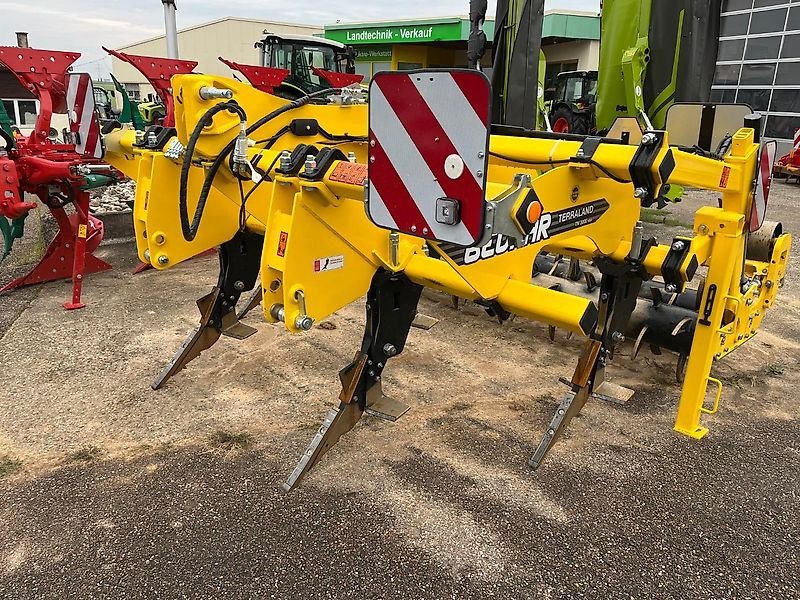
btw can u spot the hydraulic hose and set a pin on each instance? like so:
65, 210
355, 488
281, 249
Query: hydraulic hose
190, 230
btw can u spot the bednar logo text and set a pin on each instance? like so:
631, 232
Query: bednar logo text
538, 224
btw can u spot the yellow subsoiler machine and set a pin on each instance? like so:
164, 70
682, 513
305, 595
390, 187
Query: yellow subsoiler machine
327, 199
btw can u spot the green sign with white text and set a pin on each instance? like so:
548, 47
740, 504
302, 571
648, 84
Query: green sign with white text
439, 32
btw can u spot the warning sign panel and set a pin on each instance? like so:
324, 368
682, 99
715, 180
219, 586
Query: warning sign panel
328, 263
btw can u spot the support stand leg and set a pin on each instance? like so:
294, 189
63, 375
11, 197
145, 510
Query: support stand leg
81, 204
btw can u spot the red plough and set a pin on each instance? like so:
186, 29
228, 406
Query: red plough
59, 173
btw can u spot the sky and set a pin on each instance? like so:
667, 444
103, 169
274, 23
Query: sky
57, 25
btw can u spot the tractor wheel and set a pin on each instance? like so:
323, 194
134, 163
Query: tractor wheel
563, 120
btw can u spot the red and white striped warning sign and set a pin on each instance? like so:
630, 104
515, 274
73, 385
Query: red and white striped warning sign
766, 161
84, 123
428, 146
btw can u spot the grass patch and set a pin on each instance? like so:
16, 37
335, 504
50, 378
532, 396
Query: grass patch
776, 370
87, 454
660, 217
231, 440
9, 465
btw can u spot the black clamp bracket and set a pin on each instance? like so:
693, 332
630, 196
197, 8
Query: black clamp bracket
586, 152
304, 127
297, 159
674, 280
156, 137
322, 163
645, 185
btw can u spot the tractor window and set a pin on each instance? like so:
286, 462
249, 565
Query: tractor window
301, 60
27, 113
570, 89
8, 105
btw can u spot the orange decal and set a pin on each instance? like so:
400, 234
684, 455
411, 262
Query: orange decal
282, 243
347, 172
723, 180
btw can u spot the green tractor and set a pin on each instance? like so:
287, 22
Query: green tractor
310, 64
573, 102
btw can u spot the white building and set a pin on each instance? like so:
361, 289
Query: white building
759, 62
231, 37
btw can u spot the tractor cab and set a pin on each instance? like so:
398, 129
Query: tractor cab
573, 102
313, 63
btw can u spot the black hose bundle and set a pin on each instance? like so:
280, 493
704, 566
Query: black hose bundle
190, 229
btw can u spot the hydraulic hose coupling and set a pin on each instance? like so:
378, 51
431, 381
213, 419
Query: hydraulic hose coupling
92, 168
208, 92
239, 158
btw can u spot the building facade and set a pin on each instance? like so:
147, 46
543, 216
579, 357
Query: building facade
231, 38
570, 41
759, 62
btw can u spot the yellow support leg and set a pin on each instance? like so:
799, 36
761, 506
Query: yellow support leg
727, 244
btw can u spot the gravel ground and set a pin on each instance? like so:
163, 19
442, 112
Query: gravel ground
113, 198
122, 491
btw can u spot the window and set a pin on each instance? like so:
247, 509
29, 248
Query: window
756, 99
408, 66
794, 19
791, 46
381, 66
27, 112
763, 47
765, 3
723, 96
786, 101
758, 74
734, 25
553, 69
788, 74
8, 105
22, 112
730, 50
768, 21
731, 5
782, 127
727, 75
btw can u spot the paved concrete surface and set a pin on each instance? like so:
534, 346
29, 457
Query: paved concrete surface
123, 491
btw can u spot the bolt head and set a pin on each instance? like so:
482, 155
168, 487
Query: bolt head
389, 350
678, 246
303, 322
238, 285
163, 259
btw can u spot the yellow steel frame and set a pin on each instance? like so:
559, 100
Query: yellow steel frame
305, 221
